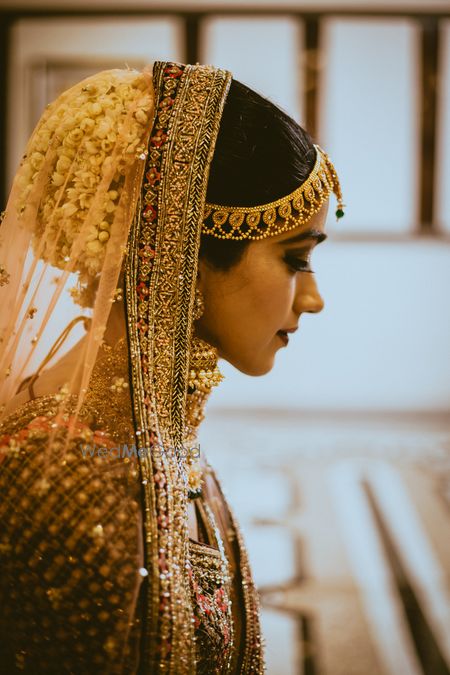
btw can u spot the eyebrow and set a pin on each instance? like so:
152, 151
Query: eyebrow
318, 235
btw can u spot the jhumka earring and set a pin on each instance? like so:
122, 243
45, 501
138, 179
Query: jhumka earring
204, 373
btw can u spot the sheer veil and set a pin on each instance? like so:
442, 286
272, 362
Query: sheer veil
66, 224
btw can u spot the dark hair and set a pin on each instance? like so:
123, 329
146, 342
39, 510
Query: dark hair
261, 155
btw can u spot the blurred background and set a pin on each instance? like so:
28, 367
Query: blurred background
338, 462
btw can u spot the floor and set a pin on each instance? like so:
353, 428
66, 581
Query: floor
347, 522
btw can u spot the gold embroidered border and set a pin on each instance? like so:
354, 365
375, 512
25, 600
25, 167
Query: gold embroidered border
160, 301
253, 658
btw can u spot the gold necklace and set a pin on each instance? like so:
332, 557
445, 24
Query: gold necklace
204, 374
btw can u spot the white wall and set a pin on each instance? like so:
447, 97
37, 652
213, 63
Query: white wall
381, 342
369, 120
443, 149
82, 41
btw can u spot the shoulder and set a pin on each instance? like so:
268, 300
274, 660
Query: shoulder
41, 464
37, 437
25, 412
53, 484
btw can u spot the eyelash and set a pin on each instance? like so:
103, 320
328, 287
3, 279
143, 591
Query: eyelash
298, 264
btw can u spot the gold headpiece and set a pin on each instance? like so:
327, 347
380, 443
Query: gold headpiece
267, 220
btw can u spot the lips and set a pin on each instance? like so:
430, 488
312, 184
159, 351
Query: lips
283, 336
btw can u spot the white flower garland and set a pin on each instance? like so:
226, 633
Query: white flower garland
79, 134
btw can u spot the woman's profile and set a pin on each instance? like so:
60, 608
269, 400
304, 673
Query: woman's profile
169, 216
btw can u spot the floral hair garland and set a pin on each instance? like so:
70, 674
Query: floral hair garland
98, 123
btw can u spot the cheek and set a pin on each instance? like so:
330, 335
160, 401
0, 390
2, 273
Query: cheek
274, 291
265, 306
245, 310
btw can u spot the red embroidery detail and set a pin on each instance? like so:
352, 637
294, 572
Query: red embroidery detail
142, 326
173, 71
149, 213
166, 102
153, 176
158, 139
221, 599
142, 290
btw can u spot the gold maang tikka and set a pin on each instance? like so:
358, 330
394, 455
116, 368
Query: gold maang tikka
268, 220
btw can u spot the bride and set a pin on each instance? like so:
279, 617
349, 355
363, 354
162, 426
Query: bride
171, 215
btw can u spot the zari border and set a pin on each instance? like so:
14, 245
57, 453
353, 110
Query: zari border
253, 657
160, 275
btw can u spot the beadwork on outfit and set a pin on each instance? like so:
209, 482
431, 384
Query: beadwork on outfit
72, 569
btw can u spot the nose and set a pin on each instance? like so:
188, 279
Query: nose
307, 297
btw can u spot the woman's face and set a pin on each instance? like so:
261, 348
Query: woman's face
249, 308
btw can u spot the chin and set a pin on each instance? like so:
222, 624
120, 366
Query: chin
252, 368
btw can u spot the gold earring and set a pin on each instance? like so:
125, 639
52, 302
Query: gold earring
199, 304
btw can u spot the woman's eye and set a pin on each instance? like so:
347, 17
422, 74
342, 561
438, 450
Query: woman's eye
298, 264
